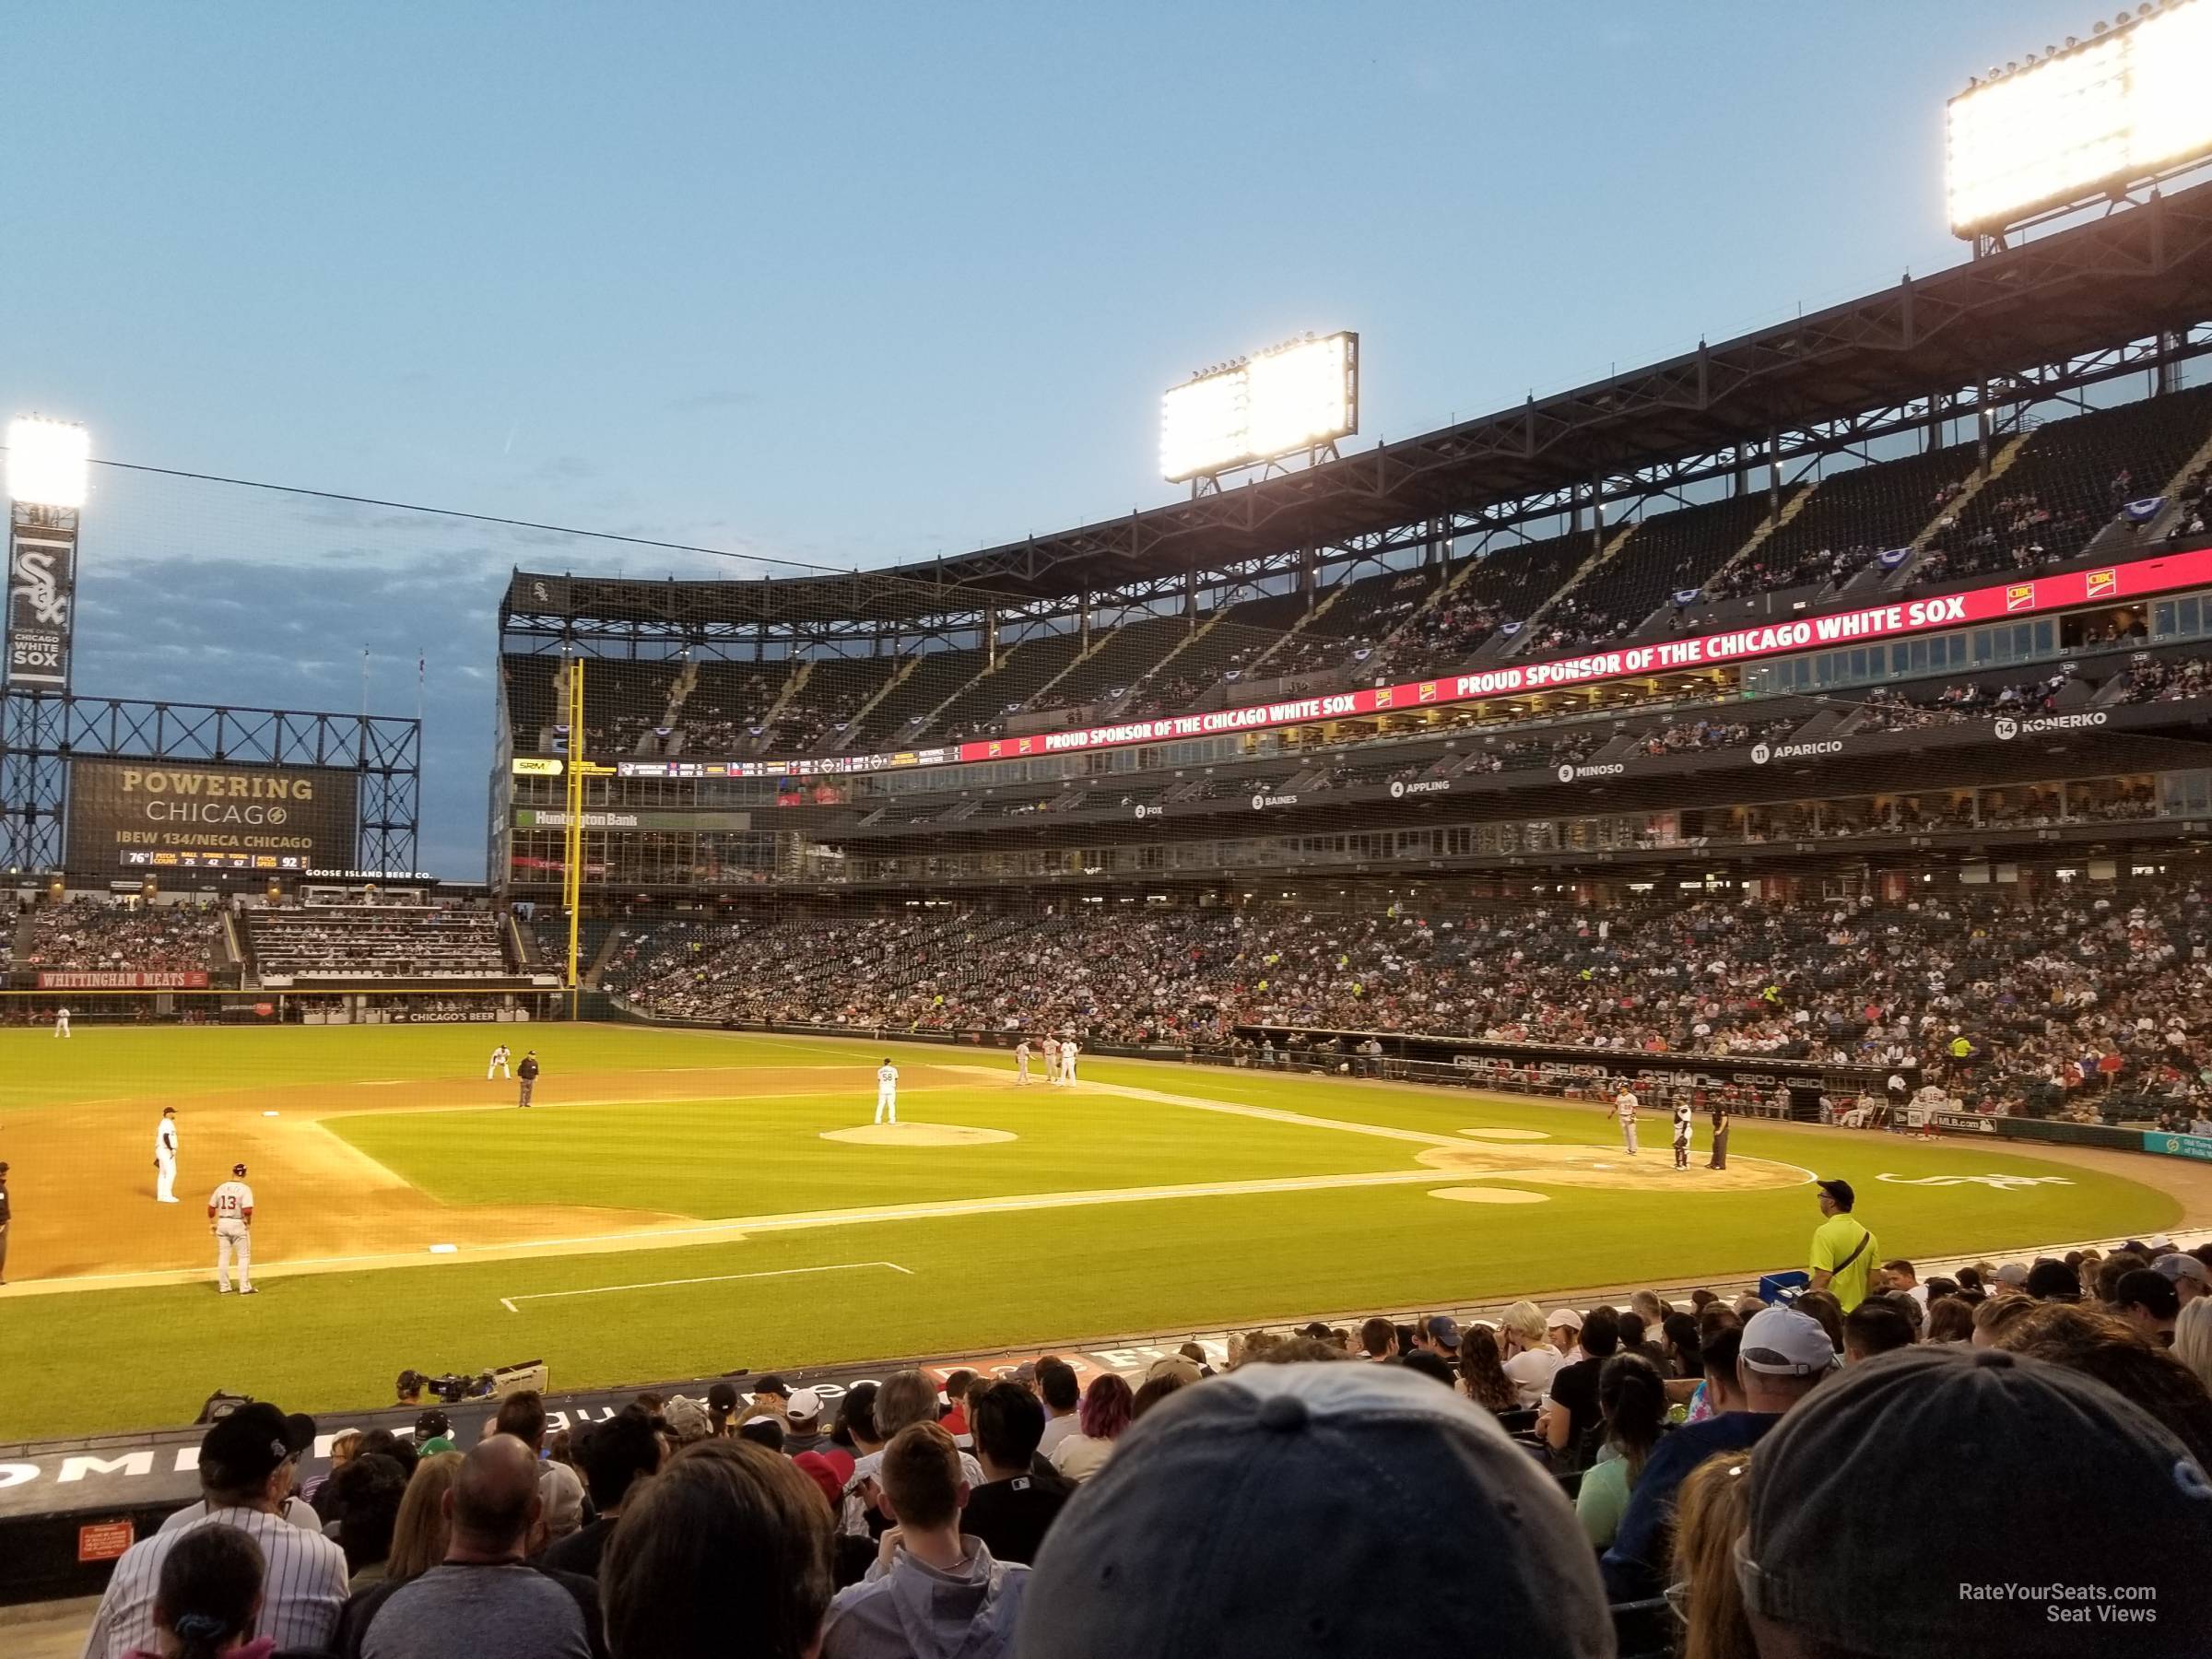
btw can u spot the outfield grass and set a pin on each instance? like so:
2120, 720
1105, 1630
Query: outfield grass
124, 1358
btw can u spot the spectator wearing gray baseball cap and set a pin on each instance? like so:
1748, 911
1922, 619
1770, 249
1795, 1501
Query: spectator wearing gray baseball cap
1945, 1500
1225, 1527
1783, 1357
2190, 1277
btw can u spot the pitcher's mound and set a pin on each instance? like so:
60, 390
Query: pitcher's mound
917, 1134
1489, 1195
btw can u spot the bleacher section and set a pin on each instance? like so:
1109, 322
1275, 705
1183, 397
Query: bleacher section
2067, 484
727, 703
94, 935
1505, 583
836, 689
1226, 651
347, 944
1118, 662
1851, 519
532, 707
623, 701
1022, 671
935, 677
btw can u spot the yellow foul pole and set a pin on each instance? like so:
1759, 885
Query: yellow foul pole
572, 876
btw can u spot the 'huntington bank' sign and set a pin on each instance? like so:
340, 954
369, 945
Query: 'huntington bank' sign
155, 817
42, 601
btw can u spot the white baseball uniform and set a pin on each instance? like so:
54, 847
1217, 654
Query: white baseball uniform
230, 1207
1681, 1135
1051, 1059
61, 1022
1068, 1051
1021, 1062
1623, 1108
887, 1093
499, 1064
164, 1163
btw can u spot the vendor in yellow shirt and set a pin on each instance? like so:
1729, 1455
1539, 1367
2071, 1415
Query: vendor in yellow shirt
1844, 1251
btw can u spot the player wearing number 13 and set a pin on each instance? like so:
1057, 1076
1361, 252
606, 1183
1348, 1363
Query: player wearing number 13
231, 1220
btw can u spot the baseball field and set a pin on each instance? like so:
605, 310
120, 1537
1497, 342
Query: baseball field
679, 1203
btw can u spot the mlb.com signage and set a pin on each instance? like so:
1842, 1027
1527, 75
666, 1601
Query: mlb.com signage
1734, 645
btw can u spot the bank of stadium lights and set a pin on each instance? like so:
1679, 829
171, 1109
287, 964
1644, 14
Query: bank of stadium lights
49, 462
1301, 395
2090, 119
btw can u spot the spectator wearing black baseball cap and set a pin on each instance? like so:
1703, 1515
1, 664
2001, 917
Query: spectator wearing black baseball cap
2146, 1300
246, 1460
1476, 1541
1873, 1518
299, 1434
1843, 1251
722, 1405
1783, 1356
2051, 1280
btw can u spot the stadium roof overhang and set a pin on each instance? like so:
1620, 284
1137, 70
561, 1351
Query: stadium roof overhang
2137, 272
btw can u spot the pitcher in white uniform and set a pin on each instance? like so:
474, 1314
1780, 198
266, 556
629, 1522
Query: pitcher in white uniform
887, 1092
1069, 1049
165, 1157
231, 1220
1625, 1105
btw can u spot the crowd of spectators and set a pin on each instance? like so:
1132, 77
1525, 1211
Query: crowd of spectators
1724, 1472
2077, 997
1573, 625
2022, 532
87, 935
1889, 710
2169, 681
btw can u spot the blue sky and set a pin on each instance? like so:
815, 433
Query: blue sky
852, 284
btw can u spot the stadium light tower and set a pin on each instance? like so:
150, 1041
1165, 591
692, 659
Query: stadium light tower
1300, 396
2089, 125
49, 468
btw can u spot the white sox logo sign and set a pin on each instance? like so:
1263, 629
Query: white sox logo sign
41, 596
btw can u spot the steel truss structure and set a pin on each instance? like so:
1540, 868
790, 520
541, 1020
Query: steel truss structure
41, 732
1964, 353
